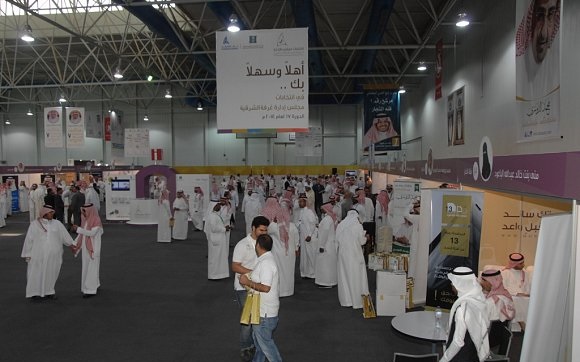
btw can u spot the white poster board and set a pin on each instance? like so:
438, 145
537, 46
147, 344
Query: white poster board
53, 127
75, 127
137, 142
118, 198
309, 143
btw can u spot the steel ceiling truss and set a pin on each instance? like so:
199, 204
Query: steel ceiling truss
78, 52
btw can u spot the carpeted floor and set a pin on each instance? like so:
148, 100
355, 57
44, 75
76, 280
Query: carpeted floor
156, 304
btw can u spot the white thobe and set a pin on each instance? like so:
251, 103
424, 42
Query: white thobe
252, 208
218, 247
326, 261
91, 197
337, 209
307, 221
285, 258
31, 206
197, 215
180, 216
44, 248
381, 217
38, 199
90, 280
163, 228
512, 281
3, 205
327, 193
226, 214
23, 198
352, 271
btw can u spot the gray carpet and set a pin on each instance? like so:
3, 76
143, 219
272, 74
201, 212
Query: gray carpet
156, 304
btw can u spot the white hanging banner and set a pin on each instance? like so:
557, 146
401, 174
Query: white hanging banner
93, 125
309, 143
53, 127
137, 142
262, 80
75, 127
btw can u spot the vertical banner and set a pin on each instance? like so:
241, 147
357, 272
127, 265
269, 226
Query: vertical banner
75, 127
538, 69
403, 215
53, 127
438, 68
137, 142
456, 218
309, 143
93, 125
107, 128
382, 124
262, 79
118, 134
455, 117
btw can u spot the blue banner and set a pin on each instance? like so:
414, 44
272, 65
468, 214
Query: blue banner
382, 123
15, 205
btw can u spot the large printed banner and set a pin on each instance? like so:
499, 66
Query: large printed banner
538, 68
456, 218
402, 214
137, 142
455, 117
117, 133
93, 125
75, 127
309, 143
262, 80
382, 124
53, 127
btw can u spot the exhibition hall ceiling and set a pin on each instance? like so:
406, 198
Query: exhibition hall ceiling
79, 45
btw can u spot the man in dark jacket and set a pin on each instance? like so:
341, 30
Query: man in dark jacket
76, 202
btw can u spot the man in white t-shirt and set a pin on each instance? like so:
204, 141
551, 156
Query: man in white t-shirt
265, 280
244, 261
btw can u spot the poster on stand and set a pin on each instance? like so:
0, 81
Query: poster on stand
456, 218
404, 214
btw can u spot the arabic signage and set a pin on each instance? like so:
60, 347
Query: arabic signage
93, 125
382, 124
75, 127
456, 218
137, 142
262, 80
309, 143
538, 69
53, 127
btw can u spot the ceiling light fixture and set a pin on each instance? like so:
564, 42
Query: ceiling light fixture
199, 106
233, 27
27, 35
462, 20
7, 121
149, 78
118, 74
62, 99
402, 90
146, 118
168, 94
29, 113
422, 67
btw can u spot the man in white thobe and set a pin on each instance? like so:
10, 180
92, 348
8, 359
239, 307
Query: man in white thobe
89, 240
251, 209
518, 282
38, 199
307, 223
180, 214
218, 246
42, 251
92, 197
198, 210
326, 258
352, 271
32, 212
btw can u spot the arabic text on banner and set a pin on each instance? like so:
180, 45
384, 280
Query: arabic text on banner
75, 127
93, 125
309, 144
382, 123
456, 218
53, 127
262, 79
538, 69
137, 142
456, 117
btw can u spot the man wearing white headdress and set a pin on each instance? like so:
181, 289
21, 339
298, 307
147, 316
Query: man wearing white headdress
326, 257
218, 246
467, 338
307, 223
198, 211
43, 251
163, 218
180, 214
251, 208
352, 272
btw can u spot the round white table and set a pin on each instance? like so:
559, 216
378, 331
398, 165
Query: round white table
422, 325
